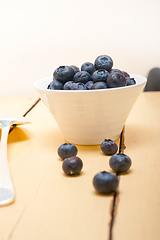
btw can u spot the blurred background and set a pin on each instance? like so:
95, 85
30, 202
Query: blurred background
37, 36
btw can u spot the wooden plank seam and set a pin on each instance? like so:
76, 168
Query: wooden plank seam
121, 150
115, 196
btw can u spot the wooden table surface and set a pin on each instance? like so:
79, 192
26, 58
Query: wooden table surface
52, 206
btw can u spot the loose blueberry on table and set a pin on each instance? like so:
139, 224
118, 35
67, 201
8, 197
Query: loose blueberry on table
67, 150
72, 165
109, 147
105, 182
120, 163
65, 77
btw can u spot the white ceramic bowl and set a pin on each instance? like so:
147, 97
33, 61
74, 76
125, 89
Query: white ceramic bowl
87, 117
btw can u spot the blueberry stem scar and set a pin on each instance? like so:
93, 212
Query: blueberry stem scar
14, 125
115, 197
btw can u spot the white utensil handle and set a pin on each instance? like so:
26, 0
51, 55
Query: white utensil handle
6, 186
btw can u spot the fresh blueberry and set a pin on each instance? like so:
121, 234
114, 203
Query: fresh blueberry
130, 81
88, 67
109, 147
78, 86
82, 77
55, 85
89, 85
120, 163
67, 150
68, 85
125, 74
103, 62
115, 70
99, 85
63, 74
105, 182
116, 79
72, 165
75, 68
100, 75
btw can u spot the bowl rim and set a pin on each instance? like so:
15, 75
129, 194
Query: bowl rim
36, 85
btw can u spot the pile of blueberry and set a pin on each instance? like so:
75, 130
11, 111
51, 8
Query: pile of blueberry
99, 75
104, 182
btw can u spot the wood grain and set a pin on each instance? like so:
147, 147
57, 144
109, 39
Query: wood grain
16, 105
138, 210
50, 205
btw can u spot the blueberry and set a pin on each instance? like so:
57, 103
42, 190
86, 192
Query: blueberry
130, 81
116, 79
103, 62
125, 74
116, 70
99, 85
63, 74
68, 85
88, 67
72, 165
100, 75
109, 147
67, 150
78, 86
55, 85
105, 182
75, 68
82, 77
89, 85
120, 162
